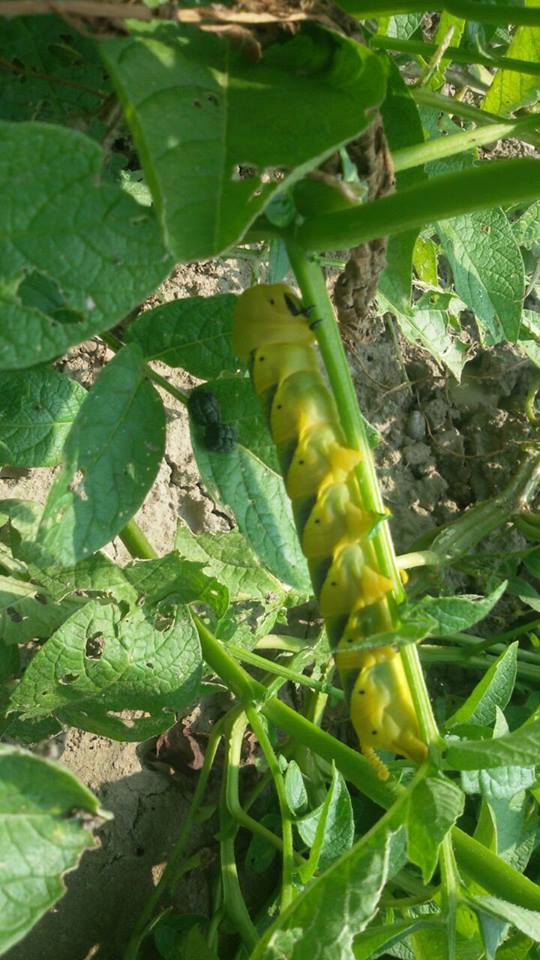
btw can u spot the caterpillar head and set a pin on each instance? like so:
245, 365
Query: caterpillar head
269, 313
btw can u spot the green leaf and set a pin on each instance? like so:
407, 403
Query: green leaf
329, 830
378, 939
434, 806
111, 458
520, 748
431, 330
229, 558
37, 410
248, 479
295, 791
42, 836
59, 70
453, 614
526, 230
172, 579
76, 255
193, 333
425, 261
512, 89
28, 613
488, 271
199, 108
527, 921
493, 690
100, 663
500, 784
324, 920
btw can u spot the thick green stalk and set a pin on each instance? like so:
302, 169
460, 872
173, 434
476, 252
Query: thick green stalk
457, 54
440, 198
467, 9
455, 143
311, 280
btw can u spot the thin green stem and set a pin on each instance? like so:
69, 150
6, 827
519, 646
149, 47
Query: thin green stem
418, 558
136, 543
287, 887
457, 54
115, 344
466, 9
455, 143
450, 892
438, 101
281, 671
431, 654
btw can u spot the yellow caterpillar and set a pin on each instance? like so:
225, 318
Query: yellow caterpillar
271, 329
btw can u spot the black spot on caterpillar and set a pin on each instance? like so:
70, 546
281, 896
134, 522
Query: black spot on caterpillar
272, 332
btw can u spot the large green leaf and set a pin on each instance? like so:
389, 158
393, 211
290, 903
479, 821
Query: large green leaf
42, 836
520, 748
248, 480
76, 253
323, 921
100, 663
111, 458
212, 126
193, 333
488, 271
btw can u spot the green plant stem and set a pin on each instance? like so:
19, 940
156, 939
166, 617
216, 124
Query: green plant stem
136, 543
312, 283
483, 866
287, 888
449, 892
169, 875
457, 54
418, 558
438, 101
440, 198
455, 143
248, 657
466, 9
432, 654
498, 643
115, 344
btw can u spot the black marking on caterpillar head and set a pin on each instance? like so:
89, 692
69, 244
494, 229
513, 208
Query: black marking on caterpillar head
220, 437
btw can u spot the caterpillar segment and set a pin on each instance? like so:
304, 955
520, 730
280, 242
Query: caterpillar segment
272, 331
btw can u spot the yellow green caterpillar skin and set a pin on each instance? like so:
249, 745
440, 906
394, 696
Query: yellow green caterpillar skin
272, 331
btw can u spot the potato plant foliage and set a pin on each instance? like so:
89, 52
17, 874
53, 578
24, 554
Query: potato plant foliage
394, 146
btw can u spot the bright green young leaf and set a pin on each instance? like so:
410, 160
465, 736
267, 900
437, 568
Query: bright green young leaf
111, 458
295, 791
488, 271
324, 920
229, 558
434, 806
454, 614
516, 821
511, 89
492, 691
503, 786
101, 662
42, 836
519, 748
76, 254
248, 480
37, 410
193, 333
329, 830
216, 125
425, 261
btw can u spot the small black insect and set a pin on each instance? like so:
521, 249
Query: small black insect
220, 437
204, 408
